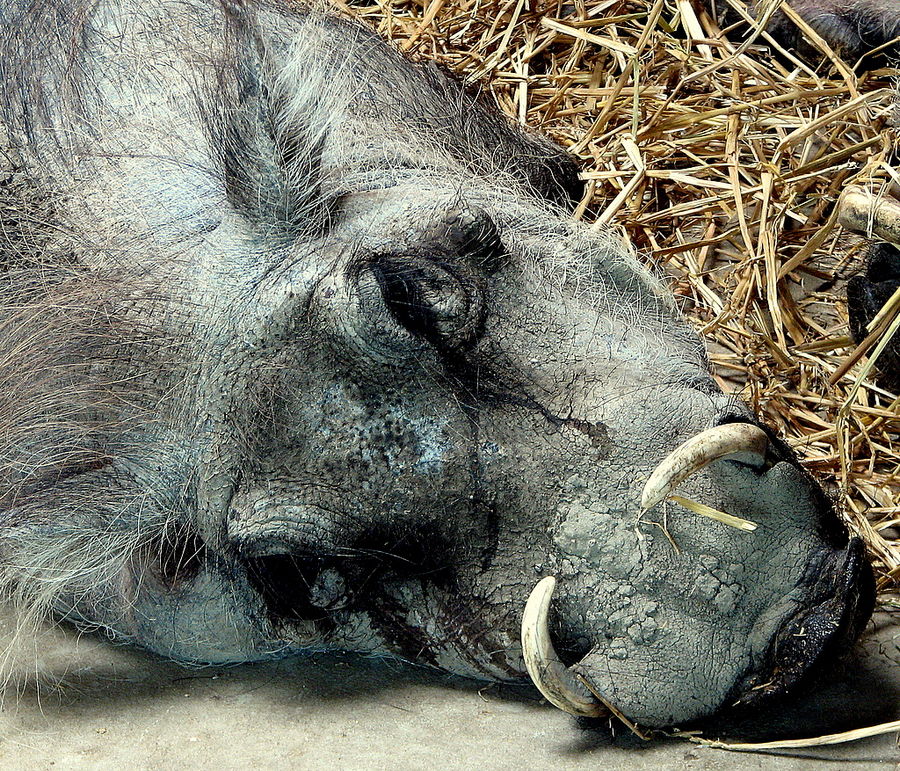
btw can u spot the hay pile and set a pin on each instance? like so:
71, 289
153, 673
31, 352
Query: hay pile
721, 165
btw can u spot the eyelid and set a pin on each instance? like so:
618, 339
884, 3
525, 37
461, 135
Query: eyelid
368, 325
437, 300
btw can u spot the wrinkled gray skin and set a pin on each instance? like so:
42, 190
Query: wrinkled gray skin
308, 355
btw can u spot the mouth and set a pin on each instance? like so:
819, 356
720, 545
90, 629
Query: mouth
825, 628
837, 588
818, 633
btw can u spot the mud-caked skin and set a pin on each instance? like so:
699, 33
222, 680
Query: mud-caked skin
854, 28
302, 351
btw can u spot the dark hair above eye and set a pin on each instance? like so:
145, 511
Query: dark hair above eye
489, 143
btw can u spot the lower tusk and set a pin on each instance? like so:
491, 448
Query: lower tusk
731, 441
551, 677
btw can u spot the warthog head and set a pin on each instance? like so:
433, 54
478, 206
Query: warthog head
301, 350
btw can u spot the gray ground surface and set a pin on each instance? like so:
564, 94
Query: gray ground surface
121, 708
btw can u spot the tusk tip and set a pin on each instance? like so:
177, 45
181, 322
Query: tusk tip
550, 676
649, 499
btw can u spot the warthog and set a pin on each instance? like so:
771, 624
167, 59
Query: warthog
301, 351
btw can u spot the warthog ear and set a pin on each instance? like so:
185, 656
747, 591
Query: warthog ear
267, 129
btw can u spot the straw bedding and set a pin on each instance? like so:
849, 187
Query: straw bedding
720, 163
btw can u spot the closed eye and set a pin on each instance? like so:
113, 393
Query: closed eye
432, 300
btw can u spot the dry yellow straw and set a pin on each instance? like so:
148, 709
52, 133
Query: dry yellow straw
719, 516
816, 741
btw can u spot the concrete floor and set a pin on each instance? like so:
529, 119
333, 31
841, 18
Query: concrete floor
121, 708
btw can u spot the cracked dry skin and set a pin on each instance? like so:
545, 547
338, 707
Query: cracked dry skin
308, 355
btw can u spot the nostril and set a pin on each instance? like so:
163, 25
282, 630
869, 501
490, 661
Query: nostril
844, 590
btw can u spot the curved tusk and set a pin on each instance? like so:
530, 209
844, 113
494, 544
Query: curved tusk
551, 677
732, 441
